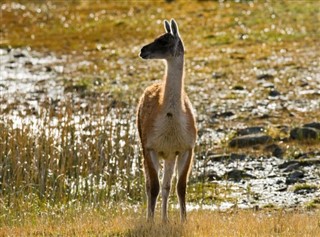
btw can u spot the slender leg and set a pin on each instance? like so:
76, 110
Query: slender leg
183, 165
169, 164
151, 167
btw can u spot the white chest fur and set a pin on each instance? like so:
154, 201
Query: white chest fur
170, 134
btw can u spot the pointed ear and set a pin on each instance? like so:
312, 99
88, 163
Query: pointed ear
174, 28
167, 26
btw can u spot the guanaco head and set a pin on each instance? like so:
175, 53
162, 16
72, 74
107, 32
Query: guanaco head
165, 46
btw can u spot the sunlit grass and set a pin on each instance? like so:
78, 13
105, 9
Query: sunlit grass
69, 156
108, 222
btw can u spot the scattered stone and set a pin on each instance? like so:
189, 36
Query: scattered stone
250, 140
283, 129
301, 163
286, 164
304, 189
217, 75
294, 177
210, 176
227, 157
77, 88
3, 86
315, 125
275, 150
19, 55
282, 188
48, 68
304, 133
219, 157
28, 64
274, 93
238, 88
279, 181
267, 84
235, 156
292, 167
226, 114
97, 81
11, 67
250, 130
237, 175
265, 76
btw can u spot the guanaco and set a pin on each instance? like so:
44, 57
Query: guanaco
166, 123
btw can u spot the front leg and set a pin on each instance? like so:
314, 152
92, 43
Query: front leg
151, 167
169, 164
183, 165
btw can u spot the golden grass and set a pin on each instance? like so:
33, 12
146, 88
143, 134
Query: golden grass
200, 223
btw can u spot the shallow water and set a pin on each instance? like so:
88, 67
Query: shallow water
28, 79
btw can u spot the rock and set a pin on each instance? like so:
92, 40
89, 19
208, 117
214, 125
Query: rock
304, 133
282, 188
237, 175
265, 76
227, 115
19, 55
279, 181
274, 93
3, 86
210, 176
294, 177
217, 75
250, 130
267, 84
235, 156
238, 88
218, 157
305, 189
292, 167
286, 164
48, 68
310, 162
97, 81
315, 125
250, 140
75, 88
276, 150
301, 163
226, 157
28, 64
223, 114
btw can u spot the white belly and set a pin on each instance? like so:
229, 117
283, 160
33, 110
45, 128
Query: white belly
170, 135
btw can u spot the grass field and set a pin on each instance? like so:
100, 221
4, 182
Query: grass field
104, 222
73, 167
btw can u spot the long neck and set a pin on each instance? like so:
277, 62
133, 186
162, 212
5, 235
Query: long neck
174, 83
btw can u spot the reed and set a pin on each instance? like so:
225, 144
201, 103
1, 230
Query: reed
67, 155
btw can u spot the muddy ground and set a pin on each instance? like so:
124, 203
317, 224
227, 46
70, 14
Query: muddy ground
250, 145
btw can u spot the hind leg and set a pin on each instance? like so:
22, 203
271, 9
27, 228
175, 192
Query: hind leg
151, 167
183, 165
169, 164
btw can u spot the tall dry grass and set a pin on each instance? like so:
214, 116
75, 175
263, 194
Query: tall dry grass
76, 155
66, 155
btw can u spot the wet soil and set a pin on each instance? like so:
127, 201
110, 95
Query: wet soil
268, 103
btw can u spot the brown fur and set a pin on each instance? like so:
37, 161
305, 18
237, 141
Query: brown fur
166, 123
151, 105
